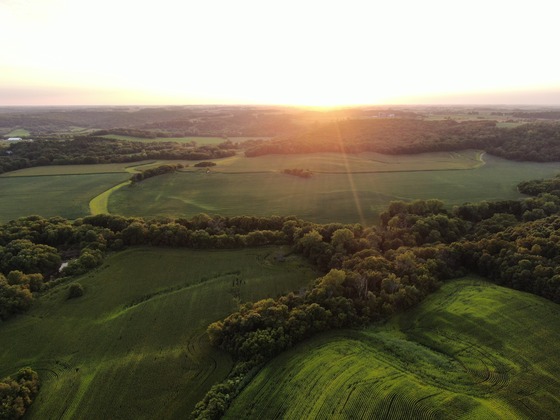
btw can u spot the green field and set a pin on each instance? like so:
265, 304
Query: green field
355, 188
56, 195
326, 197
360, 162
134, 346
472, 350
18, 132
68, 170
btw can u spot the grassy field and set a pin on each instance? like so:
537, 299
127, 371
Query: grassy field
102, 168
134, 346
348, 189
56, 195
326, 197
18, 132
472, 350
68, 170
362, 162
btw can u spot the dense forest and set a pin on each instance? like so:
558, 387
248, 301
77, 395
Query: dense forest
151, 122
539, 142
530, 142
369, 273
93, 150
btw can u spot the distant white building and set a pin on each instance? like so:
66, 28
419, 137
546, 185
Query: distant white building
14, 139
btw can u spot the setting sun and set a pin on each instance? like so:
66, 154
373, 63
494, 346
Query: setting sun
310, 53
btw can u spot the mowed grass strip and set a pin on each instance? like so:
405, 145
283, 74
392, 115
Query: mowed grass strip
471, 350
323, 198
135, 345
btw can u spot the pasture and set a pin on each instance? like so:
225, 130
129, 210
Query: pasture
69, 170
18, 132
471, 350
367, 162
135, 346
347, 197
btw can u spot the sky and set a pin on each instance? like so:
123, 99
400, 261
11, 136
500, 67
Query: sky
304, 52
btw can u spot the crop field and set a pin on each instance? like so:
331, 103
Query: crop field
348, 189
68, 170
134, 345
472, 350
360, 162
325, 197
56, 195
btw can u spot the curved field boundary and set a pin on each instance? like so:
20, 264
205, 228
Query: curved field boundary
480, 159
100, 203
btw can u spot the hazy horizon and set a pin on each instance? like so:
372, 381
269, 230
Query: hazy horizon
72, 53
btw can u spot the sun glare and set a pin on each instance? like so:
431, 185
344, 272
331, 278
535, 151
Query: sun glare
292, 53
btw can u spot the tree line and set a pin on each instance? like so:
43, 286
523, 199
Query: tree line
151, 122
151, 172
93, 150
539, 142
302, 173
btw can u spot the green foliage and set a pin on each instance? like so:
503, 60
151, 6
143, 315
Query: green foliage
75, 290
159, 170
536, 187
302, 173
17, 394
533, 142
94, 150
204, 164
14, 298
24, 255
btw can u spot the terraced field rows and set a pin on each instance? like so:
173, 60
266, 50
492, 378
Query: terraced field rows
472, 350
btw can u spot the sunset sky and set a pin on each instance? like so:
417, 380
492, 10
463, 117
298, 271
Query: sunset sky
326, 53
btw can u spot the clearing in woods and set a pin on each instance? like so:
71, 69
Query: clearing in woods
135, 345
471, 350
256, 186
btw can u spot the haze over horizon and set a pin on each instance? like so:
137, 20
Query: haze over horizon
63, 52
